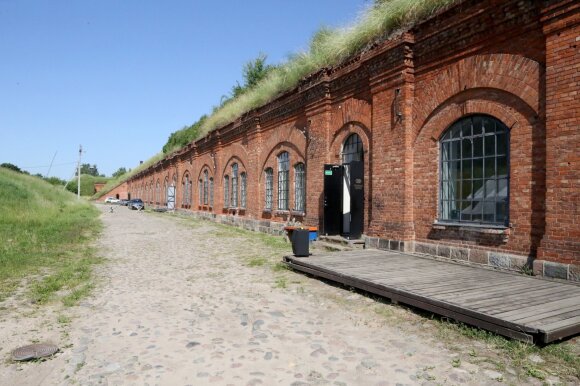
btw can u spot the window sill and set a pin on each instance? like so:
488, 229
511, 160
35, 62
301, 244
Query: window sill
298, 213
489, 229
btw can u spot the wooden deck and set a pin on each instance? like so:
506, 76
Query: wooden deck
517, 306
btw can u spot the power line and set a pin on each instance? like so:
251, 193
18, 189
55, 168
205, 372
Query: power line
45, 166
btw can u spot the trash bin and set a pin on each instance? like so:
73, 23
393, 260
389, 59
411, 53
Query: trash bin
300, 242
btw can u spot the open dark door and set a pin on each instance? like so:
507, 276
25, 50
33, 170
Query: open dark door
332, 199
356, 177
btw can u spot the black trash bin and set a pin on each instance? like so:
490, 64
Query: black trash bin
300, 242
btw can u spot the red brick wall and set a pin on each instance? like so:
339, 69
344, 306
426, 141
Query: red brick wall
562, 28
517, 61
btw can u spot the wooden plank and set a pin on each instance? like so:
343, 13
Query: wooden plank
433, 302
561, 324
542, 315
508, 292
532, 310
516, 334
557, 334
561, 316
468, 290
508, 304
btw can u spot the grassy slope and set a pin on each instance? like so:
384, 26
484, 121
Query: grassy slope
44, 230
88, 183
327, 48
112, 183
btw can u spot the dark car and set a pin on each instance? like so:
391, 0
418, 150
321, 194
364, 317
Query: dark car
136, 204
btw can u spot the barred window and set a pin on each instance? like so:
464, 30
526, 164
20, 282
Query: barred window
235, 185
243, 188
299, 187
352, 149
269, 188
158, 193
165, 191
226, 191
205, 187
200, 192
186, 191
475, 171
283, 172
211, 192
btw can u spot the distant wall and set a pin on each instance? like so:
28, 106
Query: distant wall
518, 64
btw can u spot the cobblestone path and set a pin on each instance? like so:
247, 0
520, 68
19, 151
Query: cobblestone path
184, 302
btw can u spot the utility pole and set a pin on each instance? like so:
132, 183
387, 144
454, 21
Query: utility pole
50, 167
79, 173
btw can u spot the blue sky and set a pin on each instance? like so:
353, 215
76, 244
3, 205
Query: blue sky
118, 76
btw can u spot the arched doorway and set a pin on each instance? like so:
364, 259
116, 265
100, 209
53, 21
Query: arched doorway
353, 195
343, 191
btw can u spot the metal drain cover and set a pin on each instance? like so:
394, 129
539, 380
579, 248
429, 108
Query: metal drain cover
34, 351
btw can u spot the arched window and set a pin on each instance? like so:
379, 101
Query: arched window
165, 183
205, 187
475, 171
157, 193
269, 177
186, 200
211, 192
200, 192
234, 192
299, 187
243, 190
352, 150
226, 191
283, 188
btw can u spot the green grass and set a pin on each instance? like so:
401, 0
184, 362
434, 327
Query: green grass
44, 236
256, 261
561, 359
87, 184
281, 282
327, 48
114, 182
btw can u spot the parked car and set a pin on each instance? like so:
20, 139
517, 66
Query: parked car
111, 200
123, 202
136, 204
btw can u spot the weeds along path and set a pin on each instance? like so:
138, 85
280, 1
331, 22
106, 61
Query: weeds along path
190, 302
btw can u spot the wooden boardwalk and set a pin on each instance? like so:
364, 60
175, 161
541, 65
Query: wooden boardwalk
517, 306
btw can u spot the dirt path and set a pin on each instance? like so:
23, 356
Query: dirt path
176, 305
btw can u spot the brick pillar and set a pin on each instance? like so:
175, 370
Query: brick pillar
561, 26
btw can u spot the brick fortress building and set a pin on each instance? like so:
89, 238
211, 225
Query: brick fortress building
459, 138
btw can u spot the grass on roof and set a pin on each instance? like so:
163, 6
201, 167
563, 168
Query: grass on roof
328, 48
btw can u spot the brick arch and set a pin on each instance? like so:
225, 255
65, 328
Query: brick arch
234, 150
511, 74
202, 168
503, 105
186, 171
269, 158
526, 165
343, 133
288, 136
234, 159
352, 110
206, 161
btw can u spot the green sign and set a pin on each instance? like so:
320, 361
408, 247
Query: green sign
328, 172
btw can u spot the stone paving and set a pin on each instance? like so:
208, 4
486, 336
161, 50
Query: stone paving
178, 304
